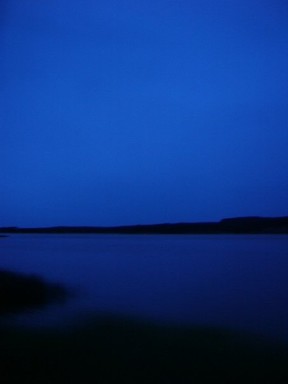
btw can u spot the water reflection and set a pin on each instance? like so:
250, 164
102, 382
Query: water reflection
236, 282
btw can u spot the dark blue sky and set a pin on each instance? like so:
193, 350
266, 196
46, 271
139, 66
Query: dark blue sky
124, 112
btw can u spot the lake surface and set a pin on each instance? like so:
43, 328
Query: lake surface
236, 282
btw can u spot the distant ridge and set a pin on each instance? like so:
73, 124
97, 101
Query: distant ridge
237, 225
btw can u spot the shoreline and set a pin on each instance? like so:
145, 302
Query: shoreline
241, 225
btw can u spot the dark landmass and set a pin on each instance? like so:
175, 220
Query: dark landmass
113, 350
21, 293
240, 225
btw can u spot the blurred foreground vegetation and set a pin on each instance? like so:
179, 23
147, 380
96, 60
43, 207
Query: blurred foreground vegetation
118, 350
20, 293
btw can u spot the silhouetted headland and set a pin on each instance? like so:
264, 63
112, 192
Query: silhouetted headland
239, 225
20, 293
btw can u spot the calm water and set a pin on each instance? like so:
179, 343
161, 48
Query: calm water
239, 282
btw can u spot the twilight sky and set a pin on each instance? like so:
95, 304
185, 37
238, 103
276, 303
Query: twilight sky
142, 111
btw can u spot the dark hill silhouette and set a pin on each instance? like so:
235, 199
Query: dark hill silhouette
238, 225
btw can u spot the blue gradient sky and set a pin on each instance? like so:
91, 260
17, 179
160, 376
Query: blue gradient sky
125, 112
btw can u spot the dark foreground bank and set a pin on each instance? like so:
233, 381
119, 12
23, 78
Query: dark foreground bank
114, 350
